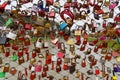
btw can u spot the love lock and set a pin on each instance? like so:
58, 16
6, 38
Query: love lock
70, 14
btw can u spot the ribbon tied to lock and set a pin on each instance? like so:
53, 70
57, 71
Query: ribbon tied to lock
67, 12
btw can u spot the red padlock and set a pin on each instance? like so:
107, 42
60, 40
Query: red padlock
82, 48
45, 67
7, 53
104, 25
94, 62
97, 71
15, 47
61, 33
20, 53
59, 45
59, 61
26, 50
66, 36
95, 49
7, 44
21, 38
85, 41
65, 66
52, 68
78, 38
32, 75
83, 63
67, 12
108, 56
33, 54
44, 74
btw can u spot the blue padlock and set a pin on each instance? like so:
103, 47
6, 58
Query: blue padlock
63, 25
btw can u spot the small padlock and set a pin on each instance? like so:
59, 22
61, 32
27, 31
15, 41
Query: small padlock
44, 74
63, 47
88, 51
32, 61
38, 67
72, 48
95, 49
32, 75
83, 63
59, 61
27, 42
6, 67
85, 41
13, 70
33, 54
45, 67
108, 56
21, 60
7, 53
20, 53
58, 68
82, 48
65, 66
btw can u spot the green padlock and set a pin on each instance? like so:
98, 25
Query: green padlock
14, 58
10, 21
2, 74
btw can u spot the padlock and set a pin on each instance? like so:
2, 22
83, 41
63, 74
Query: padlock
32, 61
83, 63
63, 47
13, 70
72, 69
95, 49
44, 74
85, 41
66, 37
33, 54
88, 51
103, 51
97, 71
7, 53
59, 61
63, 25
38, 50
52, 67
20, 53
21, 38
45, 67
82, 48
108, 56
6, 67
59, 45
7, 44
65, 66
21, 60
104, 25
27, 42
58, 68
72, 48
32, 75
38, 67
